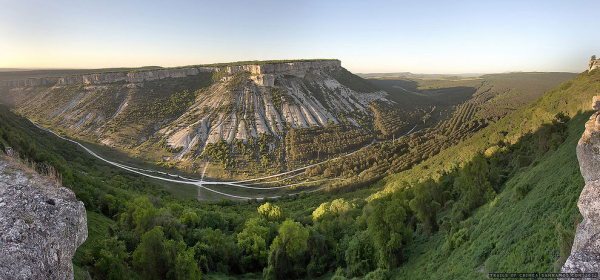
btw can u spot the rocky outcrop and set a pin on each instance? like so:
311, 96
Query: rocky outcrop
41, 225
594, 63
253, 110
585, 253
298, 69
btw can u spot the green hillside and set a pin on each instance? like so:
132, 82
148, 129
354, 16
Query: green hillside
446, 112
570, 98
527, 227
527, 223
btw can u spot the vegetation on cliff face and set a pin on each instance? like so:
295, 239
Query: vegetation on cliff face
323, 142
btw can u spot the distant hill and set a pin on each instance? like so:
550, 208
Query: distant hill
8, 74
413, 75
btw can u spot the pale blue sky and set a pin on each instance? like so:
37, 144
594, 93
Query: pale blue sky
368, 36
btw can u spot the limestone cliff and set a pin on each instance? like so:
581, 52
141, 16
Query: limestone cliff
134, 110
298, 69
594, 63
585, 253
41, 225
110, 77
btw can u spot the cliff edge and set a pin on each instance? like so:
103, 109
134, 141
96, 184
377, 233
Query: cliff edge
262, 73
41, 225
594, 63
585, 253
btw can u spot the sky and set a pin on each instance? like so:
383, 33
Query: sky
448, 37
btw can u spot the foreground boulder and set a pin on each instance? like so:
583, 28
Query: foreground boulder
41, 224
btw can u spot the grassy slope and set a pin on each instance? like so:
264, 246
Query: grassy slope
97, 230
570, 98
511, 236
507, 235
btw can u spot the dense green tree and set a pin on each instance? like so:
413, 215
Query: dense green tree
292, 237
386, 225
108, 205
186, 267
150, 257
329, 210
253, 241
110, 258
215, 247
361, 255
180, 261
190, 219
140, 215
270, 212
318, 251
279, 265
473, 184
424, 206
286, 250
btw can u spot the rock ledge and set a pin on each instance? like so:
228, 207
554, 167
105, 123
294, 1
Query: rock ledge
41, 225
585, 253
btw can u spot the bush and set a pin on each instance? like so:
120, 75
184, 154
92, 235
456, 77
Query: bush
378, 274
520, 192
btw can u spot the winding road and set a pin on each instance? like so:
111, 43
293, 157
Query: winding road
201, 183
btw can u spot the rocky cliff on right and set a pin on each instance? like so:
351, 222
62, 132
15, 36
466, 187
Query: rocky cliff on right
585, 253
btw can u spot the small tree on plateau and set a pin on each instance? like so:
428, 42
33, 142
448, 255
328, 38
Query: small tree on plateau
593, 57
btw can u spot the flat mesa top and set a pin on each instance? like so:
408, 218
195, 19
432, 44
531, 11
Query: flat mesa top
61, 73
224, 64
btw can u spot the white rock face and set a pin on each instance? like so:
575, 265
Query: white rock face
253, 111
41, 226
267, 80
298, 69
276, 97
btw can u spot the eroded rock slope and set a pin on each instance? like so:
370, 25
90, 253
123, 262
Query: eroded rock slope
184, 110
